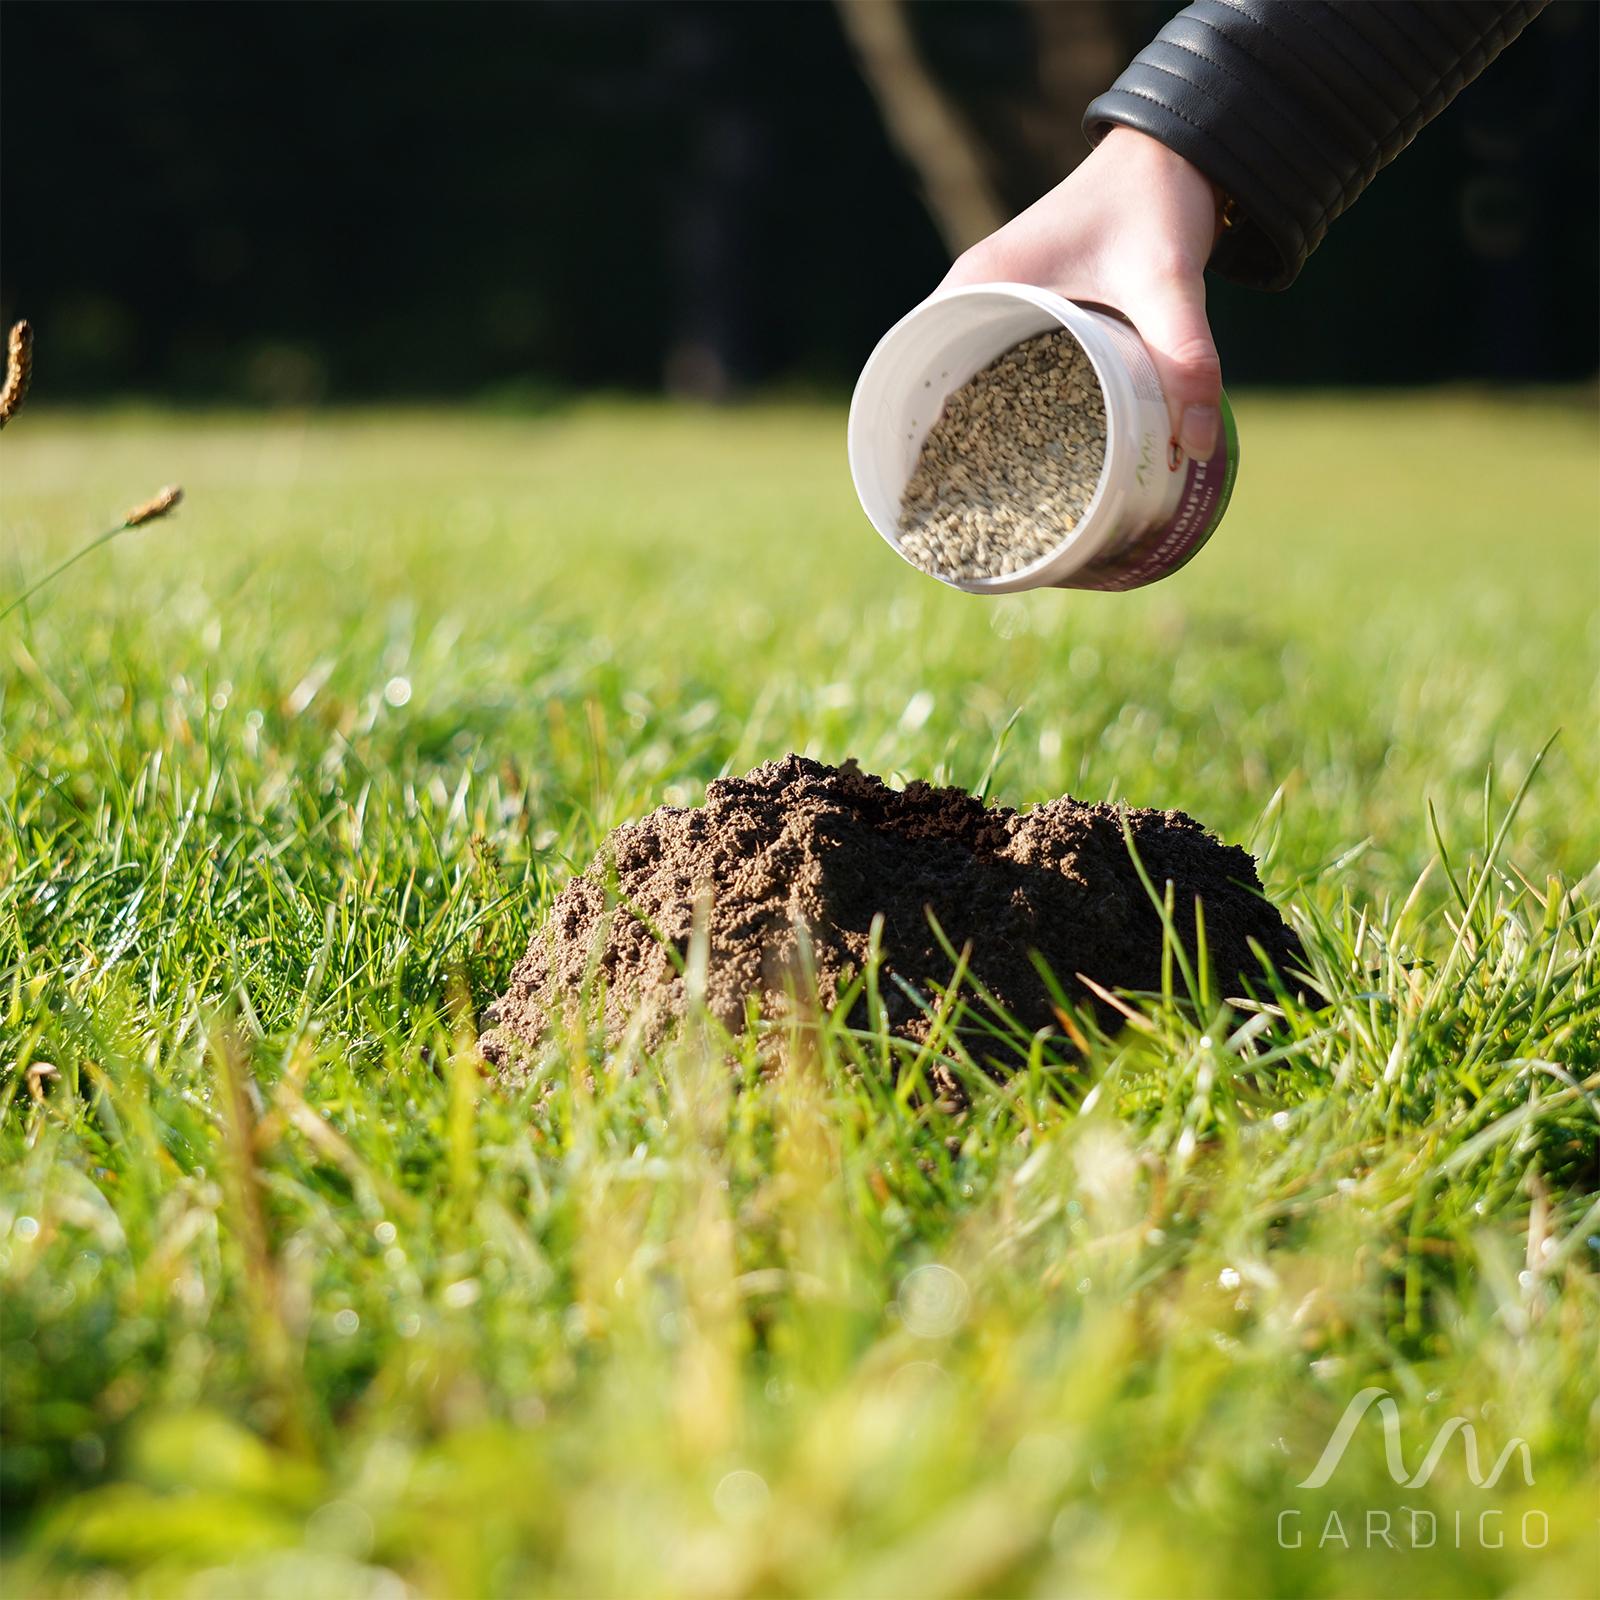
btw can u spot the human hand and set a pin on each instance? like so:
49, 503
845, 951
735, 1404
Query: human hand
1132, 228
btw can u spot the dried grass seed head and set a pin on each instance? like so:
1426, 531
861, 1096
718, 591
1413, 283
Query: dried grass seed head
19, 371
158, 505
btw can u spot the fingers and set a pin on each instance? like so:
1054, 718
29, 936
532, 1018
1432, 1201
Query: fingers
1172, 322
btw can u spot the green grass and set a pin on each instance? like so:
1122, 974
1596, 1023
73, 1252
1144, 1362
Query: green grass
295, 1303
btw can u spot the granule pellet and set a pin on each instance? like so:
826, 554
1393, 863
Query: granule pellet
1011, 464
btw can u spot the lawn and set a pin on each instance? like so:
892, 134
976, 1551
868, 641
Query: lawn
295, 1302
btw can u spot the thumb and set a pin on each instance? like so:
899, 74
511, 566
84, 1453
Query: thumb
1172, 322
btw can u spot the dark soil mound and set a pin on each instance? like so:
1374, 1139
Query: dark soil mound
831, 848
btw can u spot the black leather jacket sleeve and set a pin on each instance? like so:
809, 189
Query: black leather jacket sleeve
1291, 106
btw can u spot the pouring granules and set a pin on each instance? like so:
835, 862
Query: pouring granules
1011, 464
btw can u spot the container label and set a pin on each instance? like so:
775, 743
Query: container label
1136, 358
1161, 550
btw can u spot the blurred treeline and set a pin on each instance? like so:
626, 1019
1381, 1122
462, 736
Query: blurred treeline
286, 201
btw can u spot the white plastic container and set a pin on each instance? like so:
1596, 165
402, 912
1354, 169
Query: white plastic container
1153, 508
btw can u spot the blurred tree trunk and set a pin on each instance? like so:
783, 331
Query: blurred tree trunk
985, 150
924, 123
1080, 56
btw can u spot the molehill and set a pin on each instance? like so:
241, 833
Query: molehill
797, 844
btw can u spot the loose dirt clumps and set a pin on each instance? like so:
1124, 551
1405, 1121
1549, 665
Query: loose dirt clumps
1011, 464
796, 850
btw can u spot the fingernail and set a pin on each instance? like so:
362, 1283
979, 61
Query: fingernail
1198, 435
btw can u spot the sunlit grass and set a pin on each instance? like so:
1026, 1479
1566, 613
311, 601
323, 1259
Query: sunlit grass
296, 1303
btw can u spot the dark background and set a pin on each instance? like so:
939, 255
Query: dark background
287, 201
